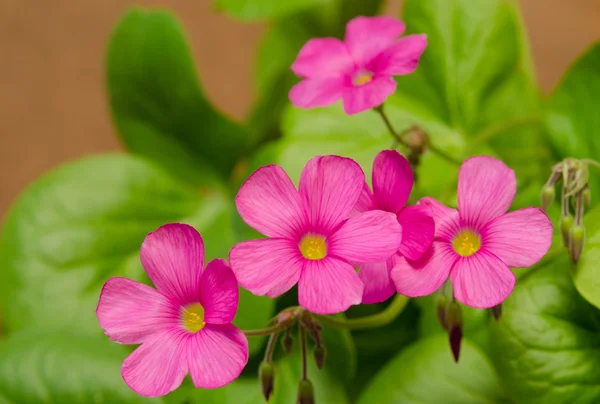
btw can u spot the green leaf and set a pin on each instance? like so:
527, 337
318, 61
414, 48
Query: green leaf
84, 222
265, 9
37, 367
425, 372
572, 118
547, 344
158, 105
586, 274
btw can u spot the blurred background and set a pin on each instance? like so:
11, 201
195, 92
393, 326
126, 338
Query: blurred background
53, 104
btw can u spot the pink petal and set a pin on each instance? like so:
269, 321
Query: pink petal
131, 312
481, 280
447, 220
365, 201
219, 294
378, 286
323, 57
330, 187
392, 180
173, 257
269, 202
317, 92
418, 229
159, 365
486, 188
366, 37
329, 286
367, 237
361, 98
267, 266
216, 355
520, 238
426, 275
402, 57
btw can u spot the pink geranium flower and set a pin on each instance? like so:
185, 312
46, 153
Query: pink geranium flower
359, 70
476, 244
185, 325
392, 182
312, 241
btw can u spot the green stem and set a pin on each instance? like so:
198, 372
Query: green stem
443, 154
376, 320
501, 127
593, 163
303, 352
266, 331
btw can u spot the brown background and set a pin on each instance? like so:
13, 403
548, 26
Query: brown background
52, 100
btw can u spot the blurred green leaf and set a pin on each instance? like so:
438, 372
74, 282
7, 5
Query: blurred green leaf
572, 118
425, 372
586, 274
158, 105
547, 344
84, 222
265, 9
36, 367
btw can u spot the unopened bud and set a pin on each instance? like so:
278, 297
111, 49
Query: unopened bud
306, 394
576, 240
454, 321
320, 353
497, 311
287, 342
566, 222
587, 196
441, 304
548, 195
266, 373
455, 340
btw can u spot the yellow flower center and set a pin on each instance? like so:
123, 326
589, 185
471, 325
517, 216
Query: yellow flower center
362, 77
313, 247
193, 317
466, 243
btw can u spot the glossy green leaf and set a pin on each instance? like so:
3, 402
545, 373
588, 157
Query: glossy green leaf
158, 105
547, 345
265, 9
586, 274
84, 222
37, 367
426, 373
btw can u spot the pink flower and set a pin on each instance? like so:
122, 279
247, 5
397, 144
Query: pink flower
392, 182
311, 239
185, 325
358, 70
476, 244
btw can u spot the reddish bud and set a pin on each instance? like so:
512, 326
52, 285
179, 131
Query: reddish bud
287, 342
497, 311
548, 195
566, 222
576, 241
455, 340
320, 354
306, 394
266, 373
441, 305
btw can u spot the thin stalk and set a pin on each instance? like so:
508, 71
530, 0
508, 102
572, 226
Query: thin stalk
303, 345
266, 331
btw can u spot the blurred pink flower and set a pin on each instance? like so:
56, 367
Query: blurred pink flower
312, 241
392, 182
476, 244
358, 70
185, 325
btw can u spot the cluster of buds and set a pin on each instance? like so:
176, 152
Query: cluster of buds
285, 322
574, 175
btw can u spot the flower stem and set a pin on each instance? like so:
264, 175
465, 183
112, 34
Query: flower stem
376, 320
271, 347
266, 331
303, 346
593, 163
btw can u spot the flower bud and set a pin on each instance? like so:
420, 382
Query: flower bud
287, 342
548, 195
454, 321
576, 240
566, 222
320, 353
497, 311
441, 304
266, 373
587, 196
455, 340
306, 394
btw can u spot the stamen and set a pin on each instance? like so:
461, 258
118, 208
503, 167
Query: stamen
362, 77
313, 247
466, 243
192, 317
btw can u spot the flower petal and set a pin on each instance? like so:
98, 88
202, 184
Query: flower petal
392, 181
173, 257
330, 187
159, 365
418, 229
374, 93
378, 286
130, 312
219, 294
267, 266
447, 220
317, 92
217, 355
481, 280
269, 202
323, 57
372, 236
520, 238
365, 201
329, 286
427, 274
402, 57
366, 37
486, 189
